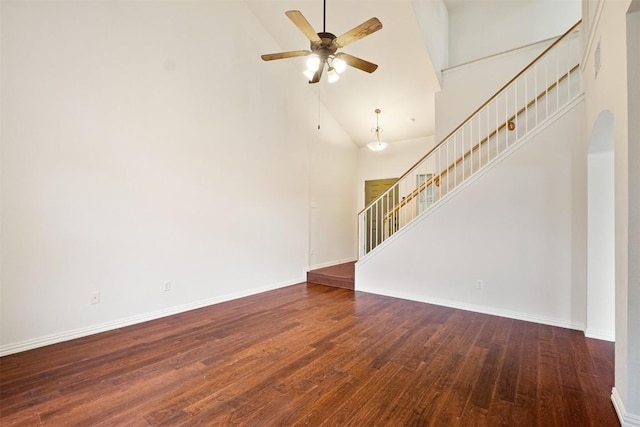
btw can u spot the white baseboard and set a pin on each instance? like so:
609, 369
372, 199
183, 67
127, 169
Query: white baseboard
600, 334
626, 419
121, 323
330, 263
527, 317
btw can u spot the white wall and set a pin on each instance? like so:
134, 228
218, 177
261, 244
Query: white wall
393, 162
610, 91
144, 143
333, 209
520, 228
482, 28
433, 20
633, 289
461, 94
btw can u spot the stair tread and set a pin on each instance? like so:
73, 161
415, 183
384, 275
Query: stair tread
340, 275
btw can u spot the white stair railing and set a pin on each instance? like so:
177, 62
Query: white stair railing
533, 96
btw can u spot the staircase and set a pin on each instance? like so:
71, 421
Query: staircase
339, 276
533, 98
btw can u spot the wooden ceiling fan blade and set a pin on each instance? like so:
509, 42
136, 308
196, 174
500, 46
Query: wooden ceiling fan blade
303, 25
317, 75
358, 63
361, 31
282, 55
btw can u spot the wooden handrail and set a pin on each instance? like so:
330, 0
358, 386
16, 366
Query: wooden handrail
495, 95
512, 118
525, 69
436, 178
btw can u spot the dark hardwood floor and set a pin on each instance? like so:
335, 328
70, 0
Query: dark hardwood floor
315, 355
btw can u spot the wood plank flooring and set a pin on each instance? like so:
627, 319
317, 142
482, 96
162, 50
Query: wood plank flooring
315, 355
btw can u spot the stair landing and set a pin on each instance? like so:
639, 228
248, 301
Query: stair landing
339, 276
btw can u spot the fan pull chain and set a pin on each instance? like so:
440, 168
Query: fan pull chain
319, 103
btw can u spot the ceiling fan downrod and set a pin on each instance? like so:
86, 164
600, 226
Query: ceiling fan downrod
324, 16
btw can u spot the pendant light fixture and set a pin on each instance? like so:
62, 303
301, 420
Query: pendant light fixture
377, 145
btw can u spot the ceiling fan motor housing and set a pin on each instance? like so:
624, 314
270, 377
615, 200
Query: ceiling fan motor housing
325, 47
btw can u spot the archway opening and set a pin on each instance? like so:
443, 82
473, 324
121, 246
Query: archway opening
601, 231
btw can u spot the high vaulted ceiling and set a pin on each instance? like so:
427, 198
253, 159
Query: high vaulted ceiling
402, 87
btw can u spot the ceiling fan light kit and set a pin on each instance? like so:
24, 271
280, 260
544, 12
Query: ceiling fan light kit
324, 47
313, 63
332, 75
339, 65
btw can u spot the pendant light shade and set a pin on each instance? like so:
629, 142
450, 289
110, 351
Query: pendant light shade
377, 145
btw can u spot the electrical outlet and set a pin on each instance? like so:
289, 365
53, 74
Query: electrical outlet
95, 297
479, 284
167, 286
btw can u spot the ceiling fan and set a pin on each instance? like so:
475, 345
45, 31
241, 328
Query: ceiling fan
324, 47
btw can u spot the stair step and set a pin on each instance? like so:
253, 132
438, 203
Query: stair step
339, 276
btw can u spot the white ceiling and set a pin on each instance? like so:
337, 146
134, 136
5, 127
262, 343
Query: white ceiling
402, 87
